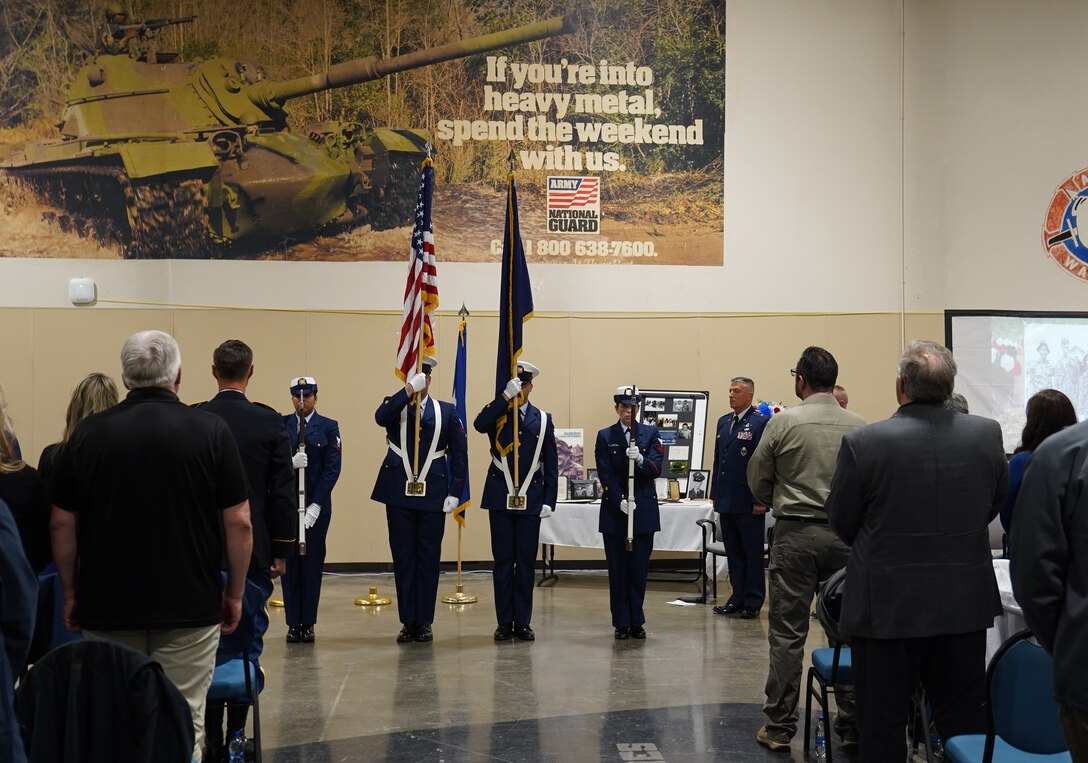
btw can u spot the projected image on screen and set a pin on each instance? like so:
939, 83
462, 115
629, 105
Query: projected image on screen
1006, 357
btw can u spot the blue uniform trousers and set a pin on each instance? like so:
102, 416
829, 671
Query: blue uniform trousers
627, 573
743, 535
415, 540
514, 537
302, 582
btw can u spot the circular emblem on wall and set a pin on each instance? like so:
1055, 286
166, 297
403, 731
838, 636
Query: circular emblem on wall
1065, 230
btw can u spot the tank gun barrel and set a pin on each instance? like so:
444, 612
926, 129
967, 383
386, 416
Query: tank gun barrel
372, 68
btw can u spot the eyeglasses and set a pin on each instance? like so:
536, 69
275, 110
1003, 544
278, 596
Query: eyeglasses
794, 373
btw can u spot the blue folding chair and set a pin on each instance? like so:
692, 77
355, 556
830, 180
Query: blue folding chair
1022, 717
237, 680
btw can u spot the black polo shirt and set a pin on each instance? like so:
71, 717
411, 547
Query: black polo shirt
148, 480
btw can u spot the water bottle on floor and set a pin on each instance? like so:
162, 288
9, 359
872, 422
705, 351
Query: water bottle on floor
821, 739
237, 748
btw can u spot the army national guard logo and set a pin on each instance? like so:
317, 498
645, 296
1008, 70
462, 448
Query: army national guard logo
574, 205
1064, 237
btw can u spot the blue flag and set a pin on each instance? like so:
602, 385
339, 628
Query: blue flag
515, 303
460, 384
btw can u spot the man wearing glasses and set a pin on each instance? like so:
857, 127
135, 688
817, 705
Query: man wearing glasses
791, 470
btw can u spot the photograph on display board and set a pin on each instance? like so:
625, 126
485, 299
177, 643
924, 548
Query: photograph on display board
650, 418
285, 130
571, 452
656, 404
666, 421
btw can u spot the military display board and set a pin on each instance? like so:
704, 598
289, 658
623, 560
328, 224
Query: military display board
680, 418
261, 130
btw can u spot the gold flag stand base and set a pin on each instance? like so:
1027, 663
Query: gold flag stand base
372, 599
460, 597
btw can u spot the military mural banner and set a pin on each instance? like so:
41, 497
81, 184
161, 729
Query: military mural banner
282, 130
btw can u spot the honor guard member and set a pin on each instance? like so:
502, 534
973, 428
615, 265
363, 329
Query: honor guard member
515, 511
321, 459
615, 450
266, 456
416, 503
741, 516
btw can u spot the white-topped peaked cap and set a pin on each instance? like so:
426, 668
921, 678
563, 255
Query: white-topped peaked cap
527, 371
301, 385
628, 395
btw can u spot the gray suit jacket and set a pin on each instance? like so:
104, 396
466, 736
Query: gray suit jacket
913, 496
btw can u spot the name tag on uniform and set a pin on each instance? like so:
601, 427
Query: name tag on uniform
415, 488
744, 435
515, 502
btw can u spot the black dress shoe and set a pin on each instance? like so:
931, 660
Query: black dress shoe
524, 633
307, 634
727, 609
423, 634
503, 632
622, 633
749, 614
407, 634
637, 631
294, 635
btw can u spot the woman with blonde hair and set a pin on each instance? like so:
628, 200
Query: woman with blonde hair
22, 490
95, 393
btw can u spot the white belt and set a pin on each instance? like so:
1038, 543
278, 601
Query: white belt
501, 462
431, 455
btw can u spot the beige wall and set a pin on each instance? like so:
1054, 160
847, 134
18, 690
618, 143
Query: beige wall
583, 359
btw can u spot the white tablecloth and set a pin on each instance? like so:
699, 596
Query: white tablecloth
1012, 621
575, 524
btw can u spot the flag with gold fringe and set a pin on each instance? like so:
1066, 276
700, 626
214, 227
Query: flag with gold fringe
421, 290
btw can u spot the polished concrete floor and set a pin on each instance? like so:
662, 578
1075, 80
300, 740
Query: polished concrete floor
692, 691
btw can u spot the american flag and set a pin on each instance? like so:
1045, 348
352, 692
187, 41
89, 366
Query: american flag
421, 290
583, 192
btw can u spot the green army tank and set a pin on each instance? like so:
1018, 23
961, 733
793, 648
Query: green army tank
182, 160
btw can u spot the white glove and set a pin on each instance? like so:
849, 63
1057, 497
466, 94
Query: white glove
313, 511
451, 503
627, 506
513, 389
546, 511
417, 383
634, 454
300, 460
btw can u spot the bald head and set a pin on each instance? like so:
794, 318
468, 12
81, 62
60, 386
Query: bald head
927, 373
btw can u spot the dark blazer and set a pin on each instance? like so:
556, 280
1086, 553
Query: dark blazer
914, 495
446, 476
611, 456
266, 455
729, 490
323, 451
544, 487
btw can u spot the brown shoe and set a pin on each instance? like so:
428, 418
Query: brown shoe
776, 743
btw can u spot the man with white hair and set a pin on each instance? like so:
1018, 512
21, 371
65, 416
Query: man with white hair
913, 496
158, 489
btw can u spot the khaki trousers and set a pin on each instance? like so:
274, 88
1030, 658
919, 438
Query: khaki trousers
187, 656
803, 555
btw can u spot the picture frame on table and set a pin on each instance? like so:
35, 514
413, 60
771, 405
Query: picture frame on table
698, 484
564, 488
582, 490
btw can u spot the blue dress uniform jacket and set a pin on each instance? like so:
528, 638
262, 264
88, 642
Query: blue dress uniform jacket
515, 533
302, 583
742, 531
544, 487
446, 476
729, 490
628, 570
416, 523
611, 456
